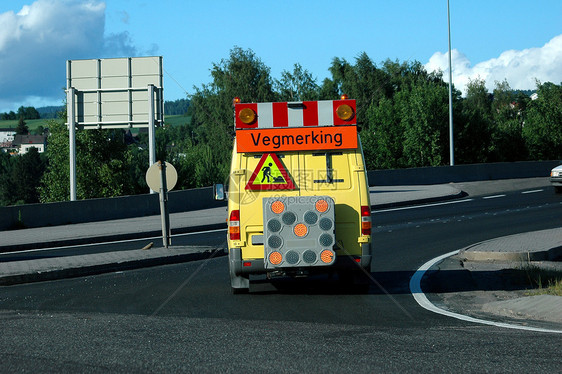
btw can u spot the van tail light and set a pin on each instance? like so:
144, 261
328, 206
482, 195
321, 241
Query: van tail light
365, 220
234, 225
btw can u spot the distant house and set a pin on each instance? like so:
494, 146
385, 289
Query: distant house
7, 135
24, 142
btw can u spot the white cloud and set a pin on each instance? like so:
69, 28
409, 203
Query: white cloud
36, 42
519, 68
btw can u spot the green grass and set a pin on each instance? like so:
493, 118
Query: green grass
177, 120
32, 124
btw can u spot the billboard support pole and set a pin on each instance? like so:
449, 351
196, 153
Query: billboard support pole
151, 129
71, 119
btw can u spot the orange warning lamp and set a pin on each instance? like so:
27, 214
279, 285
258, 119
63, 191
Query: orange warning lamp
247, 116
345, 112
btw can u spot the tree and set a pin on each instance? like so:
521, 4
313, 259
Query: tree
508, 143
21, 128
383, 140
55, 183
297, 86
242, 75
362, 81
474, 127
21, 179
7, 163
177, 107
543, 126
28, 112
425, 116
102, 165
26, 176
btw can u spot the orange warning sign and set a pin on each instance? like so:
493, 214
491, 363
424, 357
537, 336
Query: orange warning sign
296, 139
270, 174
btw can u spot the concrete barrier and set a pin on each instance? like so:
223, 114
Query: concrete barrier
52, 214
461, 173
92, 210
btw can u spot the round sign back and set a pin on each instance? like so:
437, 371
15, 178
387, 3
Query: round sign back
154, 179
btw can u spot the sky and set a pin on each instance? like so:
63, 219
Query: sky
518, 40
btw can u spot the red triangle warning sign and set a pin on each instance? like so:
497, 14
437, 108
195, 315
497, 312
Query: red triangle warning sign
270, 174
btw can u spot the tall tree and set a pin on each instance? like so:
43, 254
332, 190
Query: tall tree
362, 81
543, 126
426, 121
508, 125
20, 182
21, 128
102, 165
474, 128
242, 75
298, 85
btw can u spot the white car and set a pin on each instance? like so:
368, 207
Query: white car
556, 178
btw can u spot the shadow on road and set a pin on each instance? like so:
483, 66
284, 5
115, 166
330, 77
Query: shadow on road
397, 282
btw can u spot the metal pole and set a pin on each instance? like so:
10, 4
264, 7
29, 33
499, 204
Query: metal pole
451, 141
71, 119
151, 128
164, 205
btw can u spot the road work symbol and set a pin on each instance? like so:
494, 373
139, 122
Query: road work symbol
266, 172
270, 174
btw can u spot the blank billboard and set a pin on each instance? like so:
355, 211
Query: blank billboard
113, 92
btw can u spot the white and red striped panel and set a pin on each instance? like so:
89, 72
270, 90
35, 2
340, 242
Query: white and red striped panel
295, 114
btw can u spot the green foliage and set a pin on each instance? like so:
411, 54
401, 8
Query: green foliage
543, 124
242, 75
32, 124
55, 183
425, 117
297, 86
20, 177
473, 127
508, 122
102, 165
8, 116
177, 107
23, 112
22, 128
28, 113
402, 111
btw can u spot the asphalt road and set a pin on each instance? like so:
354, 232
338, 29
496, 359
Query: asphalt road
183, 317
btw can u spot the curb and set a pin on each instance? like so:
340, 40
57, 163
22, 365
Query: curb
102, 268
546, 246
108, 238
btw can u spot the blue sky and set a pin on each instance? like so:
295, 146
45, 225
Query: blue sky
495, 40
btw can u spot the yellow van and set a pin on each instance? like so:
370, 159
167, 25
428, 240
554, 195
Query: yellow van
298, 197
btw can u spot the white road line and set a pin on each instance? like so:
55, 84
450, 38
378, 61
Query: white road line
421, 206
112, 242
422, 300
493, 197
532, 191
